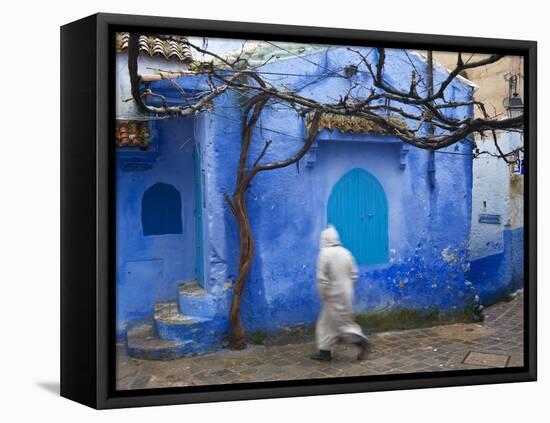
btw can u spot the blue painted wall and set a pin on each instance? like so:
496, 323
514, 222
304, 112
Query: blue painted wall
501, 274
149, 267
428, 257
428, 226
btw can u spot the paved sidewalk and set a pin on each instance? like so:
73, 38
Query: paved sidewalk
497, 342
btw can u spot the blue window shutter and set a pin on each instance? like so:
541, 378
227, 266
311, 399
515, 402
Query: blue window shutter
358, 209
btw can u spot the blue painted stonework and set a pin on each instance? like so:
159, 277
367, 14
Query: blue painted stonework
419, 257
500, 274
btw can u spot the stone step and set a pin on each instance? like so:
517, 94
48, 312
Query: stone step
204, 333
174, 325
166, 309
142, 342
191, 289
195, 301
172, 334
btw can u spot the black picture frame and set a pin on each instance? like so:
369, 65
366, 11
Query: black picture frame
87, 212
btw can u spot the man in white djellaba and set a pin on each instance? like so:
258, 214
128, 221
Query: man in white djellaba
336, 276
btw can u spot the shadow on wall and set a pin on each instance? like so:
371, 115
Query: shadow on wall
497, 276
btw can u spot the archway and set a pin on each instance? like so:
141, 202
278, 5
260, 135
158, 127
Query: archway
358, 209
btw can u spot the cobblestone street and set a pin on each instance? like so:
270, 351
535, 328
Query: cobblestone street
496, 342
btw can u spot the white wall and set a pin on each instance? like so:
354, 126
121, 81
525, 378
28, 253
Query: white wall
30, 212
127, 109
492, 194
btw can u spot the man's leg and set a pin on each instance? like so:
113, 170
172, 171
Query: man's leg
363, 345
321, 355
325, 337
360, 341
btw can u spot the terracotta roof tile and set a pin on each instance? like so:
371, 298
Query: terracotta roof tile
154, 46
353, 124
132, 134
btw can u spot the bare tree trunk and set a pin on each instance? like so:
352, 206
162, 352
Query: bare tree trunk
246, 256
238, 207
239, 210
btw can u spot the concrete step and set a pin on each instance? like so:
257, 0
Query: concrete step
166, 309
172, 325
142, 342
194, 301
191, 289
204, 333
171, 334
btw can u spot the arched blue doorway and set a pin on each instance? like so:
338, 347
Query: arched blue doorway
358, 209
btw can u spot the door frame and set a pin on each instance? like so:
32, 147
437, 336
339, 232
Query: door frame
199, 205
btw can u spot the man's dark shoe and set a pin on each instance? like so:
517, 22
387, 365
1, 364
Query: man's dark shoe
363, 349
321, 355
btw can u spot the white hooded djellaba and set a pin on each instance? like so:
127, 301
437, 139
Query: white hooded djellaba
336, 276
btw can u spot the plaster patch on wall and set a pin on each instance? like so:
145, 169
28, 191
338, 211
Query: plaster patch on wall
448, 256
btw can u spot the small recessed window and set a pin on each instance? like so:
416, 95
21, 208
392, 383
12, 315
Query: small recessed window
161, 210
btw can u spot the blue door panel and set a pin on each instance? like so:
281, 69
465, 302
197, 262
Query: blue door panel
358, 209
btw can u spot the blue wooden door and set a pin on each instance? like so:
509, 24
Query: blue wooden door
199, 265
358, 209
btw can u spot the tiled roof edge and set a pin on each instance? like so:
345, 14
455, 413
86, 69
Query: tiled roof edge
156, 47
